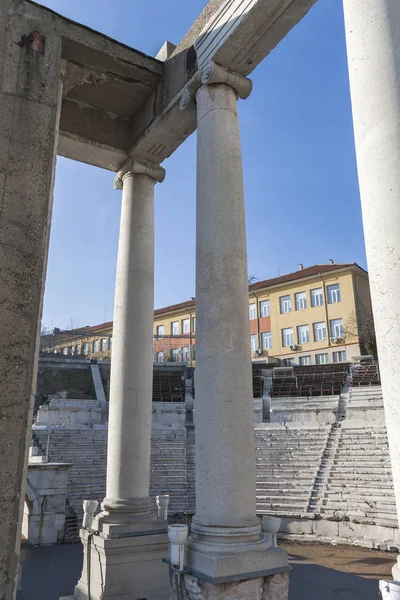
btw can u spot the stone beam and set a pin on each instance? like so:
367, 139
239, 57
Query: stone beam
236, 34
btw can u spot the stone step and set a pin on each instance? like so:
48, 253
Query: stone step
363, 487
365, 469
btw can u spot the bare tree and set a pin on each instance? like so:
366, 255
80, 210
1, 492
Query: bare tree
361, 326
251, 279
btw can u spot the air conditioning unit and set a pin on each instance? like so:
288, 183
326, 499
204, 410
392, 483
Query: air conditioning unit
335, 340
293, 347
257, 353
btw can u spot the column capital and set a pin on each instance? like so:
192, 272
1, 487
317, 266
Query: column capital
135, 167
211, 74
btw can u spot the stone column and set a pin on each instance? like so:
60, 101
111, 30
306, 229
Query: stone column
129, 436
30, 101
226, 539
373, 50
125, 554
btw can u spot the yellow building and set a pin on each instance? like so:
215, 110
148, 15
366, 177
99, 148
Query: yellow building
310, 316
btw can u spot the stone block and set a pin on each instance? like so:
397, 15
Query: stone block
273, 587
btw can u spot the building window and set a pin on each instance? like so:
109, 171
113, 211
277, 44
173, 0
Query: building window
104, 344
96, 345
266, 340
185, 353
301, 300
265, 309
160, 356
303, 334
337, 329
286, 305
287, 337
333, 293
86, 348
252, 311
339, 356
254, 342
317, 297
110, 342
78, 348
72, 350
65, 351
194, 324
185, 325
175, 328
304, 361
321, 359
288, 362
175, 355
319, 332
160, 331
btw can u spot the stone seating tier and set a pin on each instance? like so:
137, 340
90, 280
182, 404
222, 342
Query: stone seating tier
359, 484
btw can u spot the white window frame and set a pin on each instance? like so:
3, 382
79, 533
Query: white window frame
339, 356
287, 337
160, 331
78, 348
305, 361
65, 351
185, 325
175, 354
175, 328
252, 311
96, 346
185, 353
285, 304
303, 334
266, 340
317, 297
337, 328
301, 300
194, 324
318, 360
86, 348
317, 327
288, 362
265, 309
254, 342
103, 344
160, 356
110, 342
333, 293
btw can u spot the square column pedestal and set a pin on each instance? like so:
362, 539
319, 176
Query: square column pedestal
127, 567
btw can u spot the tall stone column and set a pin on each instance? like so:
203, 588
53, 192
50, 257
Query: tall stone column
124, 556
226, 542
129, 434
373, 50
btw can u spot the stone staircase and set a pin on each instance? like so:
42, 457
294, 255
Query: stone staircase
287, 463
87, 451
359, 484
168, 472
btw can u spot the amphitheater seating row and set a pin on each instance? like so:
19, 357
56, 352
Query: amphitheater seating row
316, 380
359, 484
366, 375
168, 387
257, 384
287, 462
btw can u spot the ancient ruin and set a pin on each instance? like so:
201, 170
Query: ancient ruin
68, 90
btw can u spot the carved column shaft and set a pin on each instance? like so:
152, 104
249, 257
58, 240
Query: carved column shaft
129, 438
225, 453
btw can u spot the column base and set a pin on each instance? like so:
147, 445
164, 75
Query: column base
221, 563
273, 587
128, 567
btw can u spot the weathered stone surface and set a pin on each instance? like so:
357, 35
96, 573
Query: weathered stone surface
276, 587
195, 589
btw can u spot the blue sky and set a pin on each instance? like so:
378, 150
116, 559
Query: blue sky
301, 189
